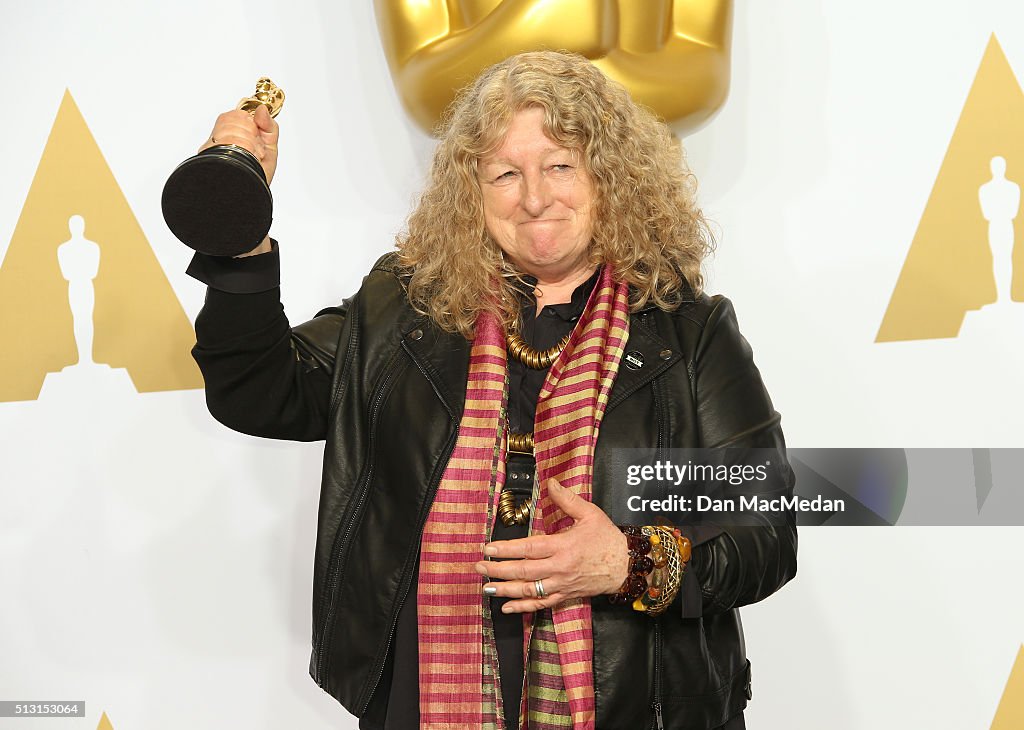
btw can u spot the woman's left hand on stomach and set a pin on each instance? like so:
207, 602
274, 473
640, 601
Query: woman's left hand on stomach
590, 558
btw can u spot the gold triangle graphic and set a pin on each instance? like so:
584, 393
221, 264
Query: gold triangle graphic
948, 270
1010, 713
104, 723
139, 322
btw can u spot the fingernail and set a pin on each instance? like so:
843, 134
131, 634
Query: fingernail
490, 551
490, 590
481, 568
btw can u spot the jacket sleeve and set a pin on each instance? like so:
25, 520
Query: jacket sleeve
263, 377
753, 554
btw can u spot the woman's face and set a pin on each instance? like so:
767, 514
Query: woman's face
538, 201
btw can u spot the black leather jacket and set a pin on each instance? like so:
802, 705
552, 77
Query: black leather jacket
396, 397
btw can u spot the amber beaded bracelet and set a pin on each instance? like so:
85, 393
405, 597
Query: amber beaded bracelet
657, 560
670, 552
640, 565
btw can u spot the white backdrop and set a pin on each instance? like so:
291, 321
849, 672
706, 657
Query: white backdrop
158, 566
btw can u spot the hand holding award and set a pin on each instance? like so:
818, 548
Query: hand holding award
218, 202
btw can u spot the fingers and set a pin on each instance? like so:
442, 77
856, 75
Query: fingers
530, 548
583, 561
572, 504
522, 588
531, 605
525, 595
517, 579
238, 128
567, 500
518, 569
256, 133
265, 123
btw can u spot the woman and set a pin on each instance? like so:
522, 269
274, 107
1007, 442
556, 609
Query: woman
542, 313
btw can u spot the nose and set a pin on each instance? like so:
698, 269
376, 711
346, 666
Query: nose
536, 193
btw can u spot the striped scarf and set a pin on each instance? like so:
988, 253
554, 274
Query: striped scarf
458, 667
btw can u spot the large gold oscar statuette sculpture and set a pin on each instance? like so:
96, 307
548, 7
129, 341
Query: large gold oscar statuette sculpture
218, 202
672, 55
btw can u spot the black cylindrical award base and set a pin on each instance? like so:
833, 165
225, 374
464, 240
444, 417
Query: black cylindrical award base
218, 202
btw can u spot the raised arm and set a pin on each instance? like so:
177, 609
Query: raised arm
262, 377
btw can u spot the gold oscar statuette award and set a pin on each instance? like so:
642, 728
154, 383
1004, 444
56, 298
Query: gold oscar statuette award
672, 55
218, 202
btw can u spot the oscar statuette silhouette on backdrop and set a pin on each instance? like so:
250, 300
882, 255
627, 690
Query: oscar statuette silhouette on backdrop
218, 202
999, 206
79, 261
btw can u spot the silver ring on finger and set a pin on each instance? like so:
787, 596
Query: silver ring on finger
538, 587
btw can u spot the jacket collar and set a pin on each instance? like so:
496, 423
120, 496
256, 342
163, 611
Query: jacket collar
645, 357
443, 358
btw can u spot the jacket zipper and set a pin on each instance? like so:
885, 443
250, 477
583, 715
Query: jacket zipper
406, 573
659, 411
435, 482
659, 723
342, 539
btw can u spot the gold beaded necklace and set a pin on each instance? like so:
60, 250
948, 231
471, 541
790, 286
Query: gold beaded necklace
509, 511
528, 356
512, 513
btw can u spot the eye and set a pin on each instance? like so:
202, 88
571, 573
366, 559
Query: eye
561, 168
506, 176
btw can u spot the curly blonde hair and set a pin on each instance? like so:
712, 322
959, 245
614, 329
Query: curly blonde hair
647, 224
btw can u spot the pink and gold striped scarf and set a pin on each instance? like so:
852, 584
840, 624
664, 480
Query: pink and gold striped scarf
459, 683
